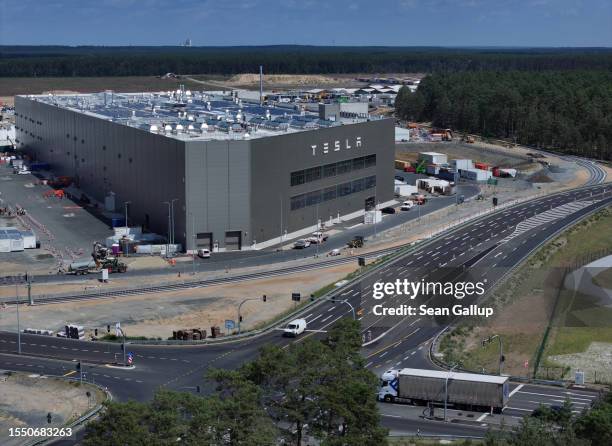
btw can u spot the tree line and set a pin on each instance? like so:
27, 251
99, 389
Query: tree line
59, 61
316, 388
568, 111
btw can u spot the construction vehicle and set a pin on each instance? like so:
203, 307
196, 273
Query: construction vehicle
468, 139
461, 390
421, 166
60, 182
100, 260
356, 242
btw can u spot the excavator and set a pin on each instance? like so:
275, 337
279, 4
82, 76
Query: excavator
101, 260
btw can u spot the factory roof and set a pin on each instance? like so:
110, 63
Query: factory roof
187, 115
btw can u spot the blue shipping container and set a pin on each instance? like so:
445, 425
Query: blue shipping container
117, 222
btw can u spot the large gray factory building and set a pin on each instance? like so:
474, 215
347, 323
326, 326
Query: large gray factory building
242, 176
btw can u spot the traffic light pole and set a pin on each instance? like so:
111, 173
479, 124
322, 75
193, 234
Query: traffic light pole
123, 345
242, 303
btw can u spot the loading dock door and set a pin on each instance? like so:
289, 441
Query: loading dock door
204, 240
369, 203
233, 240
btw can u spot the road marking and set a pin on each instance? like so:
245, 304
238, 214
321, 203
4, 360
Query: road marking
519, 387
323, 320
549, 395
497, 255
70, 373
311, 321
482, 417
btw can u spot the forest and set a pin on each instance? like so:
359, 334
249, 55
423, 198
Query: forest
569, 111
61, 61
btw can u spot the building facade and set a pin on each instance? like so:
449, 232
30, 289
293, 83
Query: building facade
227, 193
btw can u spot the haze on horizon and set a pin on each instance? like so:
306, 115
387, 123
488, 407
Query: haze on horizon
476, 23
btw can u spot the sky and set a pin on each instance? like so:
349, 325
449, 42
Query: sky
527, 23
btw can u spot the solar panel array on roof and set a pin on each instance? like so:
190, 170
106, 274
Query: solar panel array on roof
180, 114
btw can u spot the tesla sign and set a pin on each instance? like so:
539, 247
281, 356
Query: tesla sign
336, 146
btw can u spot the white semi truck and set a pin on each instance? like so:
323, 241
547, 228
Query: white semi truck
465, 390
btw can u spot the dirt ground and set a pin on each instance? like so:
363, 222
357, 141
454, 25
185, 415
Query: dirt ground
27, 399
596, 362
157, 315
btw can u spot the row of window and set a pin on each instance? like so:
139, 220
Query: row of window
333, 192
331, 170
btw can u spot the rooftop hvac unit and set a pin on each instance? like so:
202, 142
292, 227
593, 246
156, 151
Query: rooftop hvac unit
153, 129
179, 128
168, 128
204, 127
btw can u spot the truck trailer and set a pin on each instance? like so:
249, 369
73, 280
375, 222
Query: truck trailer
469, 391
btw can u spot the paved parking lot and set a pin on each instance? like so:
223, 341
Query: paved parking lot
62, 226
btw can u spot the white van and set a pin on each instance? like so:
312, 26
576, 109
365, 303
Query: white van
407, 205
295, 327
204, 253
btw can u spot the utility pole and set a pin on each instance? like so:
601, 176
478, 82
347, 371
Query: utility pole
29, 280
172, 213
126, 224
169, 225
18, 328
375, 209
194, 249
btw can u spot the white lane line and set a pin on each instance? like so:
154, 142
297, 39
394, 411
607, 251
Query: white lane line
482, 417
497, 255
331, 309
323, 320
519, 387
312, 320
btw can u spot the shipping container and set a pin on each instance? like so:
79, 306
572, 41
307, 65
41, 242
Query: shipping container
466, 390
481, 166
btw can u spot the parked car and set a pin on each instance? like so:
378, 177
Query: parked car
295, 328
335, 252
318, 237
301, 244
388, 210
204, 253
407, 205
23, 172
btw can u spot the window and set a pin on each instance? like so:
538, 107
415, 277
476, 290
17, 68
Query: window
130, 160
313, 174
298, 202
344, 189
370, 182
104, 148
329, 170
357, 186
119, 155
344, 166
358, 163
297, 178
313, 198
370, 161
329, 193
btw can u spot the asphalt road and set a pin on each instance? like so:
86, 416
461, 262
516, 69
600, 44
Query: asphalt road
244, 259
483, 250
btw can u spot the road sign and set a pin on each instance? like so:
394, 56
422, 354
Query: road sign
230, 324
130, 358
295, 297
105, 274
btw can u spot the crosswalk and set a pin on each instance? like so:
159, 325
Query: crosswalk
548, 216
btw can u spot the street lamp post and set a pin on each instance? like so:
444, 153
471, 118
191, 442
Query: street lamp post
18, 327
345, 302
123, 344
446, 388
169, 225
126, 224
194, 249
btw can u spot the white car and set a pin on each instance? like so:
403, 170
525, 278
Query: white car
24, 172
407, 205
204, 253
335, 252
295, 328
